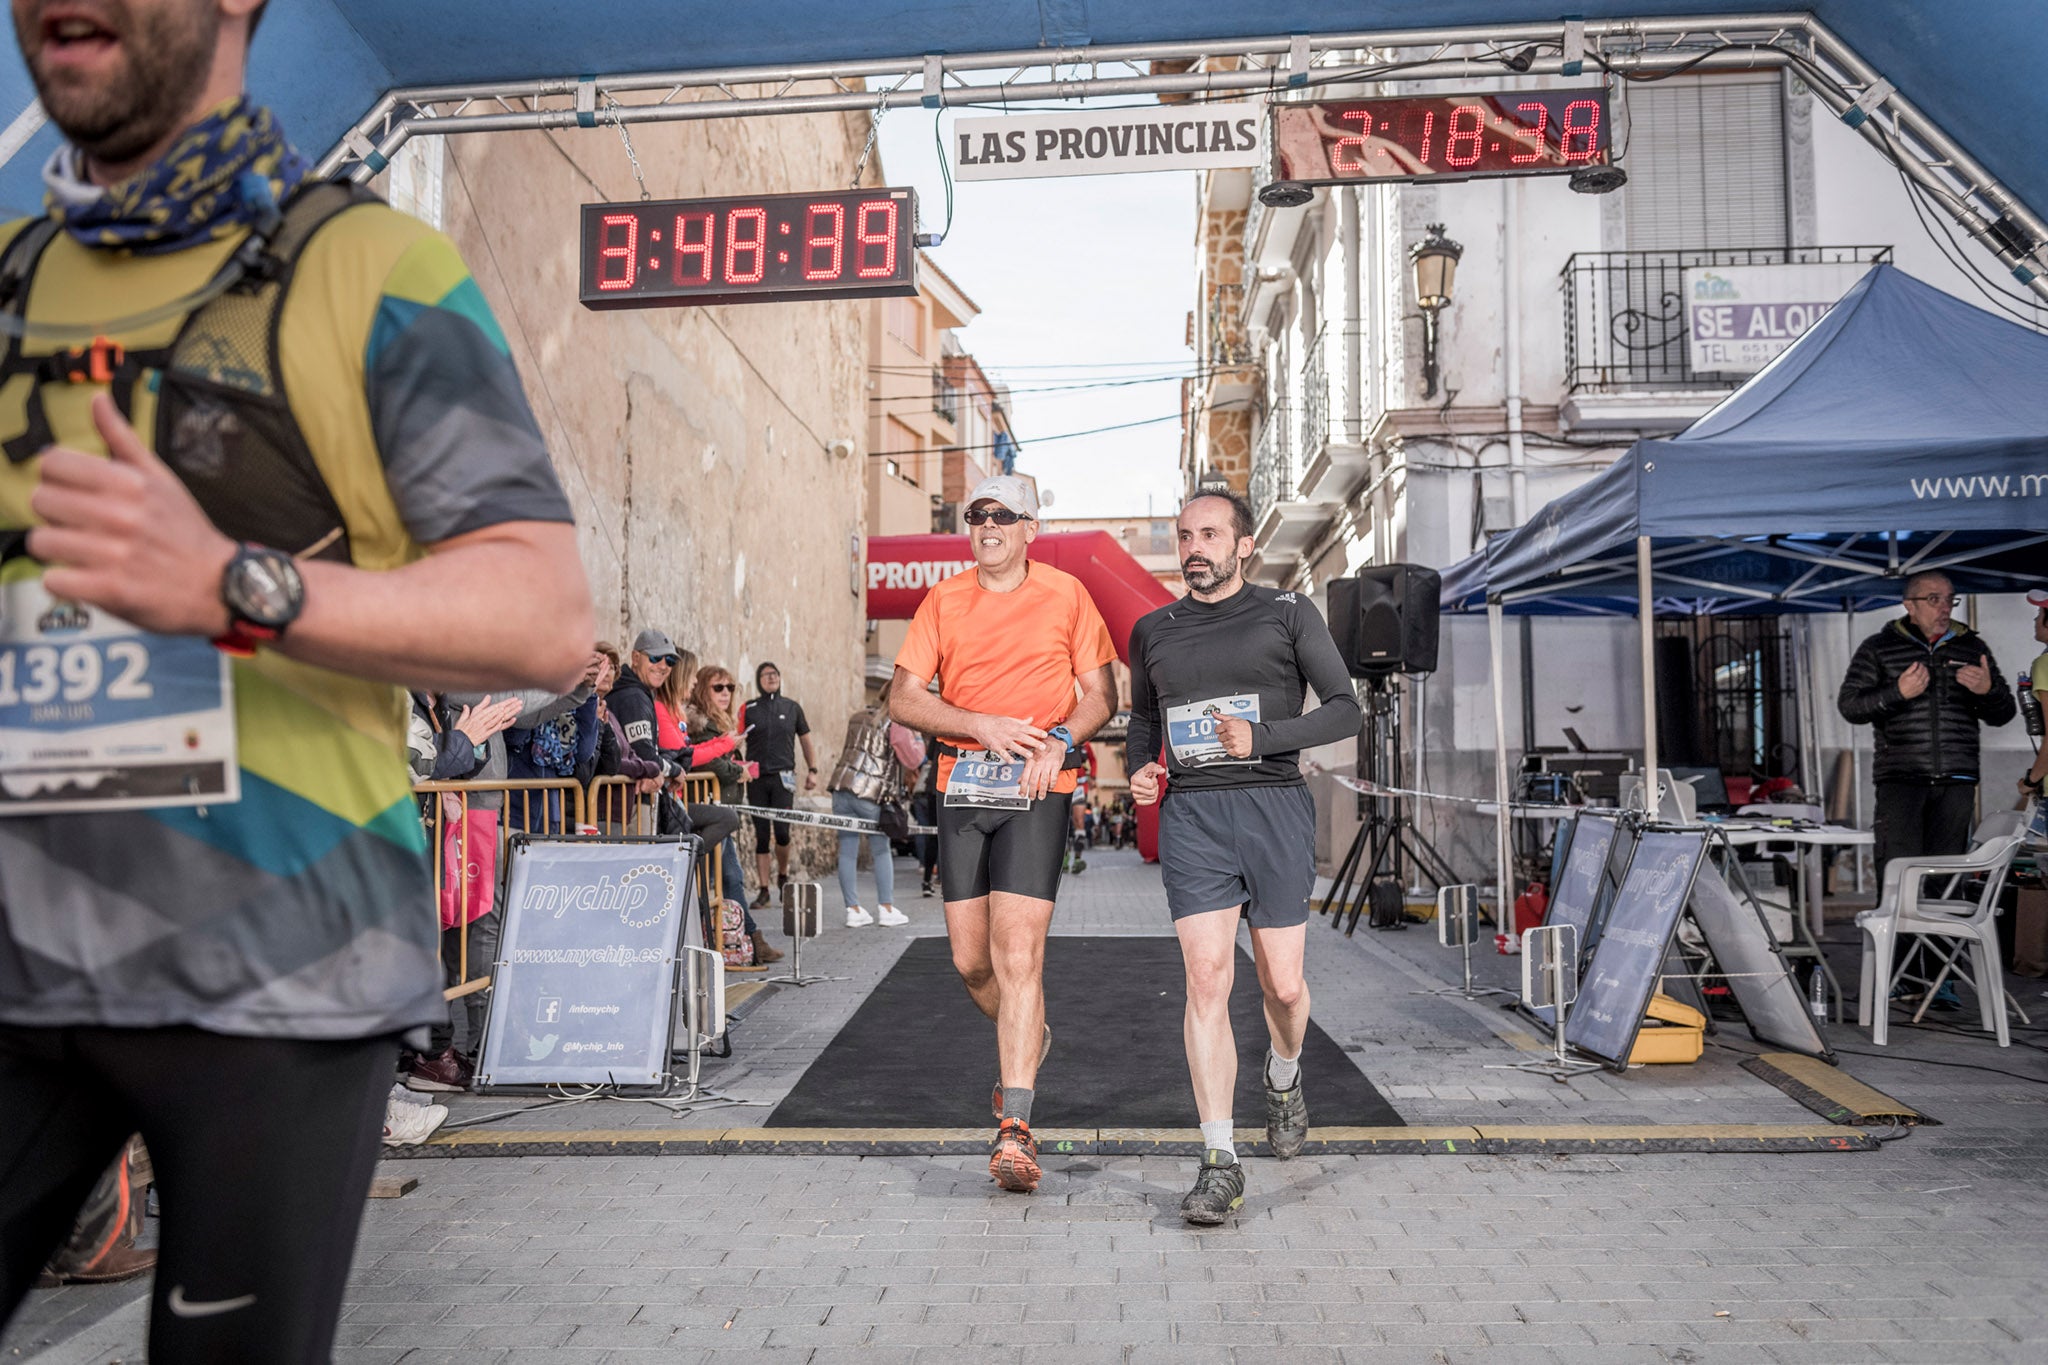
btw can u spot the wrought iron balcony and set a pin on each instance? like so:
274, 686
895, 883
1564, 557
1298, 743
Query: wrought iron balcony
945, 397
1274, 472
1625, 318
1228, 344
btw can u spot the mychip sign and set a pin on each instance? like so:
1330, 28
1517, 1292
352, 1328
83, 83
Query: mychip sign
1741, 316
583, 992
1178, 137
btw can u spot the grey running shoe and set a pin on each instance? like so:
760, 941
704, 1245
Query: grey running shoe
1218, 1191
1286, 1119
996, 1100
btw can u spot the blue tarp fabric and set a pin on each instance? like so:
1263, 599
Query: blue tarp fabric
1974, 68
1906, 429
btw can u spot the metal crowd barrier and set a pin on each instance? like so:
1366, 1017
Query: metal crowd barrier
557, 802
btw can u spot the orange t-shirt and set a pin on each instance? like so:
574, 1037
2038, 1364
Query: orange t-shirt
1015, 653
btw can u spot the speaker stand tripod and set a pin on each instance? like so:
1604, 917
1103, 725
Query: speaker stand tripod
1386, 841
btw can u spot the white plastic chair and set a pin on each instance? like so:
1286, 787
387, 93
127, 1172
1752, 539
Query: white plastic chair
1904, 907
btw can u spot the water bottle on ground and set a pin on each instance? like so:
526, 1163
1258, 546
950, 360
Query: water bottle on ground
1817, 994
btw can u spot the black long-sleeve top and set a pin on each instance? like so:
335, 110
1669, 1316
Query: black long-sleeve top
1256, 652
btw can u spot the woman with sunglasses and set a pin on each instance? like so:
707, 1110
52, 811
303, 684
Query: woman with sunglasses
708, 715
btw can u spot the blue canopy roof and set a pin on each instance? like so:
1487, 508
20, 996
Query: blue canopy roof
1906, 430
1973, 68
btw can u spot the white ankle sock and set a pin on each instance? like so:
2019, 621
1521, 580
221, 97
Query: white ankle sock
1216, 1136
1282, 1071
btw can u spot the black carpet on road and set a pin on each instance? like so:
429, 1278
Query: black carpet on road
918, 1054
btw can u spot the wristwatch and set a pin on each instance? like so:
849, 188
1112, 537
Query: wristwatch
263, 593
1063, 735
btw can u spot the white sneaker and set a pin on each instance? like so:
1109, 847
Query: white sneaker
411, 1099
408, 1125
857, 918
891, 916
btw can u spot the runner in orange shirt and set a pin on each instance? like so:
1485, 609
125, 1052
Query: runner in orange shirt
1022, 659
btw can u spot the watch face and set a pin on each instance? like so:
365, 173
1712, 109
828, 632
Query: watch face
264, 587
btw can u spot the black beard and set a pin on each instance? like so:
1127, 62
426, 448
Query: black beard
1210, 578
168, 55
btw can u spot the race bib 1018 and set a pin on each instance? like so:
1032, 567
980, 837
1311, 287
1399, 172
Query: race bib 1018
987, 780
1191, 730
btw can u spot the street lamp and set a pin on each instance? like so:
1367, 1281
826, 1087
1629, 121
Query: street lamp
1435, 259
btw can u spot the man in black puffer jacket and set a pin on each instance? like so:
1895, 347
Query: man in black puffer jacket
1925, 683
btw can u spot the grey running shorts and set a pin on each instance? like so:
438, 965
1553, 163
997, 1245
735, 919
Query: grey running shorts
1249, 846
1018, 851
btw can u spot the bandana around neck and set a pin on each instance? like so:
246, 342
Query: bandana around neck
207, 185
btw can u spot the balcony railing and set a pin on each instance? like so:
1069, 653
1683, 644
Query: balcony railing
1625, 318
1274, 474
1325, 389
945, 397
1228, 343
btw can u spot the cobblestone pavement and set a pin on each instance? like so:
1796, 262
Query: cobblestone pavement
1933, 1249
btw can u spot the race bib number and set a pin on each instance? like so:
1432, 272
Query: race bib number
987, 780
97, 715
1191, 730
788, 779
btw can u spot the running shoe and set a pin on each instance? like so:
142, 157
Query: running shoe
1013, 1163
1218, 1191
891, 916
408, 1125
858, 918
1286, 1118
761, 899
996, 1100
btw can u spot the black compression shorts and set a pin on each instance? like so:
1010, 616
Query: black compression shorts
1017, 851
769, 789
263, 1150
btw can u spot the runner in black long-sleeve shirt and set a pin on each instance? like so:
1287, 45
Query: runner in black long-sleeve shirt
1220, 676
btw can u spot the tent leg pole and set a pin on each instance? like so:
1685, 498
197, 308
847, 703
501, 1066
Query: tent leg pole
1855, 749
1647, 610
1503, 856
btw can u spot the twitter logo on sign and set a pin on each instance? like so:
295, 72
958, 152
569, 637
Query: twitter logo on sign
540, 1049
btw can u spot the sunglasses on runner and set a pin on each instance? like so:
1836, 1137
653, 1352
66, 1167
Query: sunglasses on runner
1001, 516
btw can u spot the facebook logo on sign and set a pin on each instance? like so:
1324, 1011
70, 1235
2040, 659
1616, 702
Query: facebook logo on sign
550, 1009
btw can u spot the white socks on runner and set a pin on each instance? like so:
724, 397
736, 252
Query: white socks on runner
1281, 1072
1217, 1137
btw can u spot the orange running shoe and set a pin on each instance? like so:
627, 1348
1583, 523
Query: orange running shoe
1014, 1162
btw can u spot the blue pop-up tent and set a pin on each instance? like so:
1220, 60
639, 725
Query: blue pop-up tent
1905, 431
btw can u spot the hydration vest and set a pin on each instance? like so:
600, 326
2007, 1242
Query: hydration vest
223, 421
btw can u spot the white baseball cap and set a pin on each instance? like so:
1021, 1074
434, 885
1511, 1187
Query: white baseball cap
2038, 598
1009, 490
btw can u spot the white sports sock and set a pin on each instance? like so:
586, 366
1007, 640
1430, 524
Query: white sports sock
1216, 1136
1282, 1071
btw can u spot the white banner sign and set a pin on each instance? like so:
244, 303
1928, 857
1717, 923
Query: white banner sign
1185, 137
1742, 316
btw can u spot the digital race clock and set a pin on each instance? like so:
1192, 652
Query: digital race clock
1440, 137
838, 244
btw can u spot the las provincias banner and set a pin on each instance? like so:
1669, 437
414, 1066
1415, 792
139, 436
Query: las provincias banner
1175, 137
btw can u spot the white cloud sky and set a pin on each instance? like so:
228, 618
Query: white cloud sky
1080, 280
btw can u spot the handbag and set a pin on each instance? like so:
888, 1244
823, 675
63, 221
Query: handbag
669, 816
894, 820
469, 867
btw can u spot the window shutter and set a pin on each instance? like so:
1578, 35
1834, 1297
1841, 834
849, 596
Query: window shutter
1706, 163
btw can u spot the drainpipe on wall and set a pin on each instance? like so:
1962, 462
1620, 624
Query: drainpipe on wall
1511, 344
1353, 353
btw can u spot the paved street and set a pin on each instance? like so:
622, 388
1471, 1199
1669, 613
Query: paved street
1930, 1249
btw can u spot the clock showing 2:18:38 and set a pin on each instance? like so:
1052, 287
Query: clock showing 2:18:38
1442, 137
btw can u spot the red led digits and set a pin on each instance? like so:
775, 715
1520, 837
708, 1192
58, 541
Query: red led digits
1590, 130
746, 234
1339, 160
624, 253
1472, 136
867, 235
1536, 146
697, 246
824, 251
1428, 117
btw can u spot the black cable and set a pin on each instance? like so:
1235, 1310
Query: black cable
1040, 440
1945, 242
946, 171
